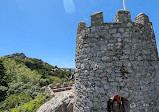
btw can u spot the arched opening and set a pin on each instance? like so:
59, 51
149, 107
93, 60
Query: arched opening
117, 103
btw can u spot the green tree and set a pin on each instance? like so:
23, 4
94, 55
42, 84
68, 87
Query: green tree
19, 77
3, 83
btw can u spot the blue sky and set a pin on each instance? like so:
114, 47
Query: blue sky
46, 29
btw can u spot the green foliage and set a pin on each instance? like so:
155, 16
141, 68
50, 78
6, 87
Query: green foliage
14, 101
58, 80
20, 72
44, 68
20, 87
33, 105
44, 82
3, 83
21, 80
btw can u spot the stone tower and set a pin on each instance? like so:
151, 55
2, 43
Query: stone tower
117, 58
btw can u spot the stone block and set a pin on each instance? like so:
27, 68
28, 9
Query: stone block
97, 19
65, 84
51, 86
58, 85
123, 16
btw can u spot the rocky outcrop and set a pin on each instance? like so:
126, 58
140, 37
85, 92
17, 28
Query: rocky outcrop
62, 98
61, 102
16, 55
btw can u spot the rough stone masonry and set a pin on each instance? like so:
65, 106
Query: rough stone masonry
117, 58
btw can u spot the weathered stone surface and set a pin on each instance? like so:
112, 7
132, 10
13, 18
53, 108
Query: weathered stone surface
58, 85
117, 58
65, 84
123, 16
61, 102
17, 55
71, 84
97, 18
50, 91
51, 86
43, 89
81, 26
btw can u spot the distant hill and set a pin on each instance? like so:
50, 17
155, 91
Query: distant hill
23, 76
43, 68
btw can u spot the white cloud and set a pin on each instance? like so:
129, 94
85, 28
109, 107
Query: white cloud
69, 6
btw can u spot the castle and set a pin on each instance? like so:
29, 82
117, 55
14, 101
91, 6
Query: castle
117, 58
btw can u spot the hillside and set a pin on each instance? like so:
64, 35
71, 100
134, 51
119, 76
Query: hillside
22, 77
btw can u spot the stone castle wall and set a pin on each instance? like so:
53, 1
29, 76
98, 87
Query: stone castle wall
117, 58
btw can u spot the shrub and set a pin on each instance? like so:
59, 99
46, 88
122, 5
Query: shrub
22, 78
14, 100
33, 105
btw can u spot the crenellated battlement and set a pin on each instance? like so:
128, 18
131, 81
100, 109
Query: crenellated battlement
142, 19
97, 19
110, 57
122, 16
81, 26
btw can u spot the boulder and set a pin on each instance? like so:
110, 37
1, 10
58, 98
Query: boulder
51, 86
48, 89
58, 85
62, 102
65, 84
71, 84
43, 89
